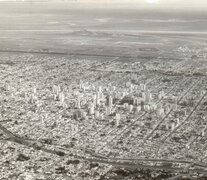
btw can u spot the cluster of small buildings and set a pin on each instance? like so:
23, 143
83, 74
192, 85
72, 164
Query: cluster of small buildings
99, 103
105, 106
110, 102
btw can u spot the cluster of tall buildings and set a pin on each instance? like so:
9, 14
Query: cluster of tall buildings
98, 102
33, 97
112, 102
106, 101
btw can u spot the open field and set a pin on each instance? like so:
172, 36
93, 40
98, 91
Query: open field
57, 27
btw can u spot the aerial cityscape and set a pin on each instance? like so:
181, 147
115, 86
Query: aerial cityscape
94, 104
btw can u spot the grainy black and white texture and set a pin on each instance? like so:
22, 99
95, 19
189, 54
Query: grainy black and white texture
95, 94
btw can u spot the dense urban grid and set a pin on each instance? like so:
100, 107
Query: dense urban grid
113, 118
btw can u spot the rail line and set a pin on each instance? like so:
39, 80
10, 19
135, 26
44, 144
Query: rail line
155, 103
171, 109
183, 81
187, 118
198, 167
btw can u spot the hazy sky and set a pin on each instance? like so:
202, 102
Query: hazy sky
160, 4
153, 3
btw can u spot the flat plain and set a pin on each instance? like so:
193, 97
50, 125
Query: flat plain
59, 67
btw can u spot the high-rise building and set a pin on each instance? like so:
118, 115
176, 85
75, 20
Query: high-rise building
131, 88
147, 108
93, 87
113, 88
160, 111
128, 84
175, 99
94, 98
78, 103
175, 107
91, 108
142, 87
74, 129
101, 96
55, 97
100, 89
64, 105
123, 95
135, 102
144, 97
108, 110
172, 126
148, 97
142, 105
203, 92
138, 108
84, 114
167, 109
38, 103
54, 89
58, 89
61, 97
177, 121
35, 90
98, 98
191, 102
101, 117
161, 94
82, 87
154, 107
203, 132
79, 114
86, 118
167, 126
33, 98
126, 106
75, 115
184, 112
118, 118
135, 87
110, 101
131, 107
80, 84
97, 114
